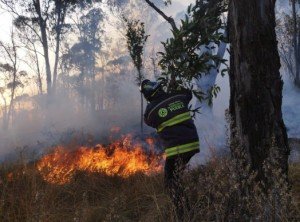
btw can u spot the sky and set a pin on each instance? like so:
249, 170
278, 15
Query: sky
6, 18
6, 21
5, 24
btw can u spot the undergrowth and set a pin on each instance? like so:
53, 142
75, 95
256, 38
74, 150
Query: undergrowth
213, 191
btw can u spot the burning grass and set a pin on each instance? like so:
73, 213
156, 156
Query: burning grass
91, 197
124, 182
124, 158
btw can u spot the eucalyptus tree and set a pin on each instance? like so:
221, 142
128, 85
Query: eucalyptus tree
256, 88
11, 76
29, 41
83, 54
46, 19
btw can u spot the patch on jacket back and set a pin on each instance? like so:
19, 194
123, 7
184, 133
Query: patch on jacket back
176, 105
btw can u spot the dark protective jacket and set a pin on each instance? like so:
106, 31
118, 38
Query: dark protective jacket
170, 115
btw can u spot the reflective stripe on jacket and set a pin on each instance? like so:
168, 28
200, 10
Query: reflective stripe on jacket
170, 115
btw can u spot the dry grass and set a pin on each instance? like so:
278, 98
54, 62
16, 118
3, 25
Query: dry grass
212, 190
295, 183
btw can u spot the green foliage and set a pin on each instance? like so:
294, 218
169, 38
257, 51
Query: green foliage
184, 58
136, 39
21, 21
212, 93
83, 54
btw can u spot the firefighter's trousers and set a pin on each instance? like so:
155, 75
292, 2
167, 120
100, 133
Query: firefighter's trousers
174, 170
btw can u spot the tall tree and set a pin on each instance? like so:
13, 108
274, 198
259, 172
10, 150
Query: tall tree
9, 70
46, 19
31, 45
61, 9
41, 17
256, 85
84, 53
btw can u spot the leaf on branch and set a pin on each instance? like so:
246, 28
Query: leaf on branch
136, 40
188, 53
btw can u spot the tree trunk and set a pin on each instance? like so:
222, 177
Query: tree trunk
296, 43
101, 92
57, 42
4, 111
256, 84
298, 58
93, 78
42, 25
12, 97
60, 11
298, 54
40, 83
142, 114
207, 81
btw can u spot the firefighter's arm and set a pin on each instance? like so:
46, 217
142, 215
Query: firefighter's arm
146, 119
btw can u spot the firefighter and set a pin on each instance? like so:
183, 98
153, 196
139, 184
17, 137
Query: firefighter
169, 114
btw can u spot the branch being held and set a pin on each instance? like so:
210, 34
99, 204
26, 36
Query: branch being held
169, 19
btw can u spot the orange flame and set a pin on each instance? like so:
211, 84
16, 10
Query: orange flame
10, 176
122, 158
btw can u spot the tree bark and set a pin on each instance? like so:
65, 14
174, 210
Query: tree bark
169, 19
142, 102
298, 58
4, 111
256, 84
296, 43
209, 80
12, 57
142, 114
12, 97
61, 13
40, 83
42, 25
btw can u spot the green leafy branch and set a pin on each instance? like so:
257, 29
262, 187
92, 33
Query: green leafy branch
184, 57
136, 40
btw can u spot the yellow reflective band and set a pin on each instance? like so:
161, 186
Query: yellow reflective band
182, 149
175, 120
